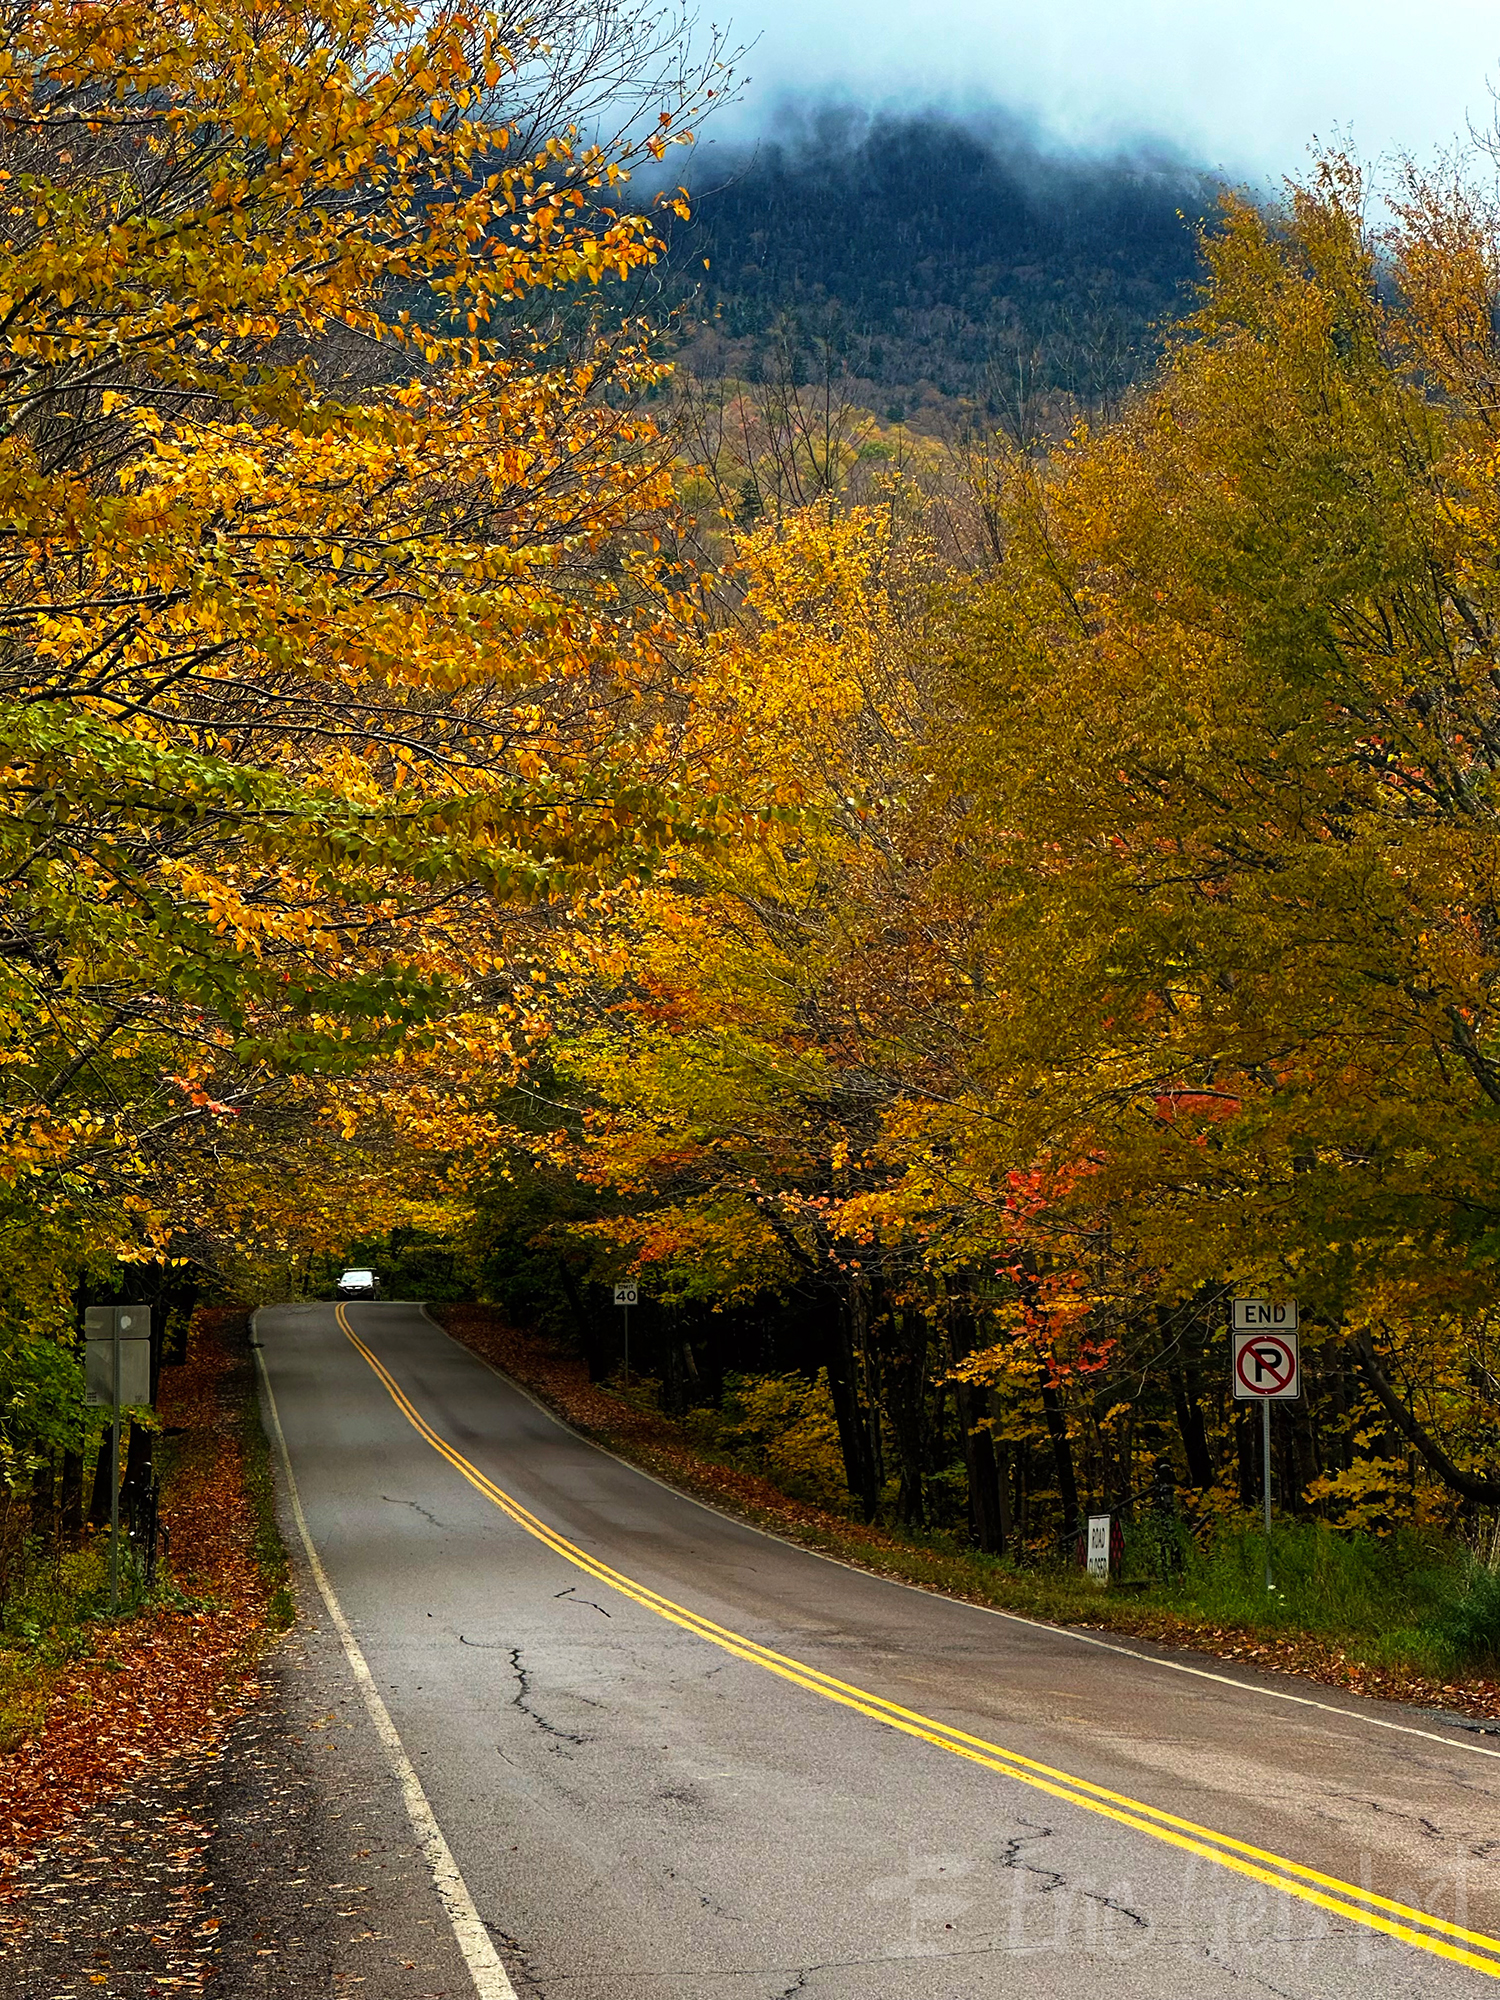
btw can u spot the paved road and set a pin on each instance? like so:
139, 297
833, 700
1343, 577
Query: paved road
731, 1770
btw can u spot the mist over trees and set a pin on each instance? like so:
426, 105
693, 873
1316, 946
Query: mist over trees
936, 252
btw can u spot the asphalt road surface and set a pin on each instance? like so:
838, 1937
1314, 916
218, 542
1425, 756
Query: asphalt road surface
673, 1758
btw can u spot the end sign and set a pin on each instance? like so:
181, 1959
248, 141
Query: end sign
1264, 1363
1265, 1316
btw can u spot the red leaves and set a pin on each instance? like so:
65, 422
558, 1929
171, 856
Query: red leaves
1214, 1106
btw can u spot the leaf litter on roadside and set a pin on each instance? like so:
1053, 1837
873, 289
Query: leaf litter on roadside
165, 1684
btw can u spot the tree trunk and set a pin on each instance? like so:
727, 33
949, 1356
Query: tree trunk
139, 1455
71, 1498
595, 1356
1022, 1458
43, 1497
986, 1493
1062, 1452
867, 1375
1194, 1437
854, 1431
99, 1501
905, 1378
1247, 1442
1485, 1492
988, 1512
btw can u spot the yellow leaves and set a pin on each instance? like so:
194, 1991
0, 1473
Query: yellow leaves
275, 582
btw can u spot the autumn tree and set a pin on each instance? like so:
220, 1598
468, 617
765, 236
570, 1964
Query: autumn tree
333, 632
1131, 939
758, 1082
1228, 757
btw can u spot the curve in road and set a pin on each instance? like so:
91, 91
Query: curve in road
1393, 1810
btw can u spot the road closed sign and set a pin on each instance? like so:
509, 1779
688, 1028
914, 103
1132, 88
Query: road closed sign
1264, 1367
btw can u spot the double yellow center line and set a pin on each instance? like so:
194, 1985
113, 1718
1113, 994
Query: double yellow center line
1436, 1935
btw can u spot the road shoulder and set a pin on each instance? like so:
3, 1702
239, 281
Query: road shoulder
278, 1863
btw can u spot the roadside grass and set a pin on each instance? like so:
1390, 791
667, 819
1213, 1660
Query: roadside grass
1405, 1599
1401, 1617
45, 1625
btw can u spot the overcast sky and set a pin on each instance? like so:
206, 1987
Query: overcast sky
1233, 84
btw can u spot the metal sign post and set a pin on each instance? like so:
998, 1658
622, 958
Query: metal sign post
114, 1465
625, 1297
117, 1374
1265, 1368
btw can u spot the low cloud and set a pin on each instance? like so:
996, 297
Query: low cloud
1244, 89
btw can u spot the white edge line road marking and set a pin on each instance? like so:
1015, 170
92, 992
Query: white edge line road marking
989, 1610
491, 1981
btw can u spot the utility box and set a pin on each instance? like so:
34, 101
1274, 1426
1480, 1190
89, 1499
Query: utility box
102, 1327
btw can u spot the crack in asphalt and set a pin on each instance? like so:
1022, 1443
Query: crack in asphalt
1010, 1857
1054, 1879
521, 1699
584, 1600
1392, 1812
1245, 1972
714, 1909
396, 1501
510, 1945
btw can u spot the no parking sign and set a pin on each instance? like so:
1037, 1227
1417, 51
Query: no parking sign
1265, 1367
1264, 1363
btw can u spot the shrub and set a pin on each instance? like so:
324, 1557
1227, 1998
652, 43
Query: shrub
784, 1427
1468, 1619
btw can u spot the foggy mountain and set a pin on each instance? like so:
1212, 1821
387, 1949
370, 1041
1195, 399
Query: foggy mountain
935, 260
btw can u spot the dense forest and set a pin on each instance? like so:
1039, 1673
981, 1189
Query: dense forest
934, 256
942, 907
1123, 947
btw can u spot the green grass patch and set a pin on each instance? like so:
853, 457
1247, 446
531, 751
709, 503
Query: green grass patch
51, 1620
1404, 1600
